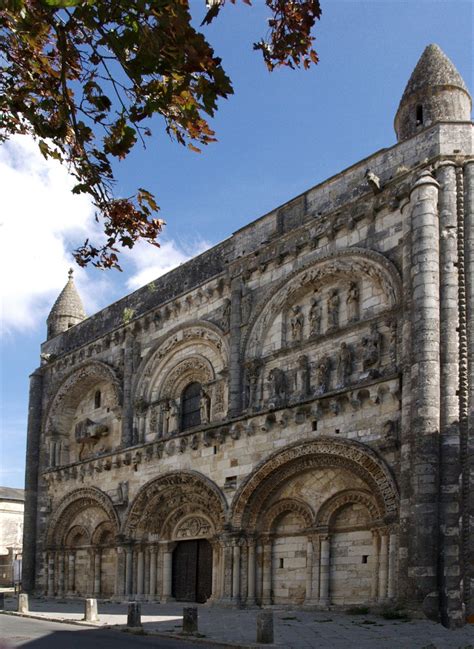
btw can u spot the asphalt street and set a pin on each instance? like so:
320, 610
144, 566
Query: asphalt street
42, 634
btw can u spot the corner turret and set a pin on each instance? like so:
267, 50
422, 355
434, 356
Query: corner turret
67, 310
435, 92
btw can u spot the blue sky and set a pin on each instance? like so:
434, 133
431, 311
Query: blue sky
279, 134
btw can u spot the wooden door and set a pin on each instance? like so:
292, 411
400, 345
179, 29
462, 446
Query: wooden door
184, 571
192, 571
204, 571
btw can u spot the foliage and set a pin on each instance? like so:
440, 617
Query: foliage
85, 78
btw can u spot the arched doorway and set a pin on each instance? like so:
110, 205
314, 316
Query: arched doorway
192, 571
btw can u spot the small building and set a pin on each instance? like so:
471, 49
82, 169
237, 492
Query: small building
12, 505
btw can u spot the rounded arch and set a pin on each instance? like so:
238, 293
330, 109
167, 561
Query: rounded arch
74, 503
348, 263
282, 465
179, 493
286, 505
201, 338
196, 369
77, 536
72, 388
330, 507
103, 534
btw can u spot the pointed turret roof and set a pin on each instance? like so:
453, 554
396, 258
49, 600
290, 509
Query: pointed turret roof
433, 69
68, 303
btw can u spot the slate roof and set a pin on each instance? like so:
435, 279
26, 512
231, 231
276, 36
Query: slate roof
9, 493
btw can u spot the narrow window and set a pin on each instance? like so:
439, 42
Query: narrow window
97, 399
419, 114
365, 558
315, 425
190, 406
281, 563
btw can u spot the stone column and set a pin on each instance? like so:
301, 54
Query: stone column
449, 492
51, 562
236, 572
324, 571
467, 387
146, 580
316, 569
251, 573
152, 582
309, 572
140, 572
267, 573
235, 370
61, 570
129, 571
127, 409
215, 571
97, 570
120, 577
167, 572
383, 566
71, 576
374, 589
392, 561
226, 568
31, 481
425, 388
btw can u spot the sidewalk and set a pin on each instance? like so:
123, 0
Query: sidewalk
293, 629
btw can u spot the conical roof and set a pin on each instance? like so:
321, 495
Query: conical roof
433, 69
68, 303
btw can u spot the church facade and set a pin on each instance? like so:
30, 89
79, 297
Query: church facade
287, 418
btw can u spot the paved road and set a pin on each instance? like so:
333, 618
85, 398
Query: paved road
39, 634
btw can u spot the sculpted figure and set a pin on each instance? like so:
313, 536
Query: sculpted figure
322, 375
371, 349
277, 381
352, 302
225, 321
165, 417
333, 309
315, 317
344, 365
204, 406
173, 416
296, 322
245, 305
302, 377
251, 383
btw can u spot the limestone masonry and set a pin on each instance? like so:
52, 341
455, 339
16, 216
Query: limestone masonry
288, 418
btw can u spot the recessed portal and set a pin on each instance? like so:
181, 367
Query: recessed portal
192, 571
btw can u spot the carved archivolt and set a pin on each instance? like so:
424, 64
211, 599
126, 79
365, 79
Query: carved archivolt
196, 368
71, 505
348, 264
284, 506
77, 536
103, 534
72, 389
193, 527
257, 490
200, 338
331, 506
179, 491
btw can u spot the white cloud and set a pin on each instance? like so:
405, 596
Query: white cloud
150, 262
41, 222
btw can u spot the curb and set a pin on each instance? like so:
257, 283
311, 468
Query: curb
122, 629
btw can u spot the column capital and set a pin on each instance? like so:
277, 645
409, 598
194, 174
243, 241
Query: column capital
425, 178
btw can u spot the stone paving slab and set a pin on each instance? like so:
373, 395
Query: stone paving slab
293, 629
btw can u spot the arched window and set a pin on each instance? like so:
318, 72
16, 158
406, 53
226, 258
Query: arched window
419, 114
190, 406
97, 399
